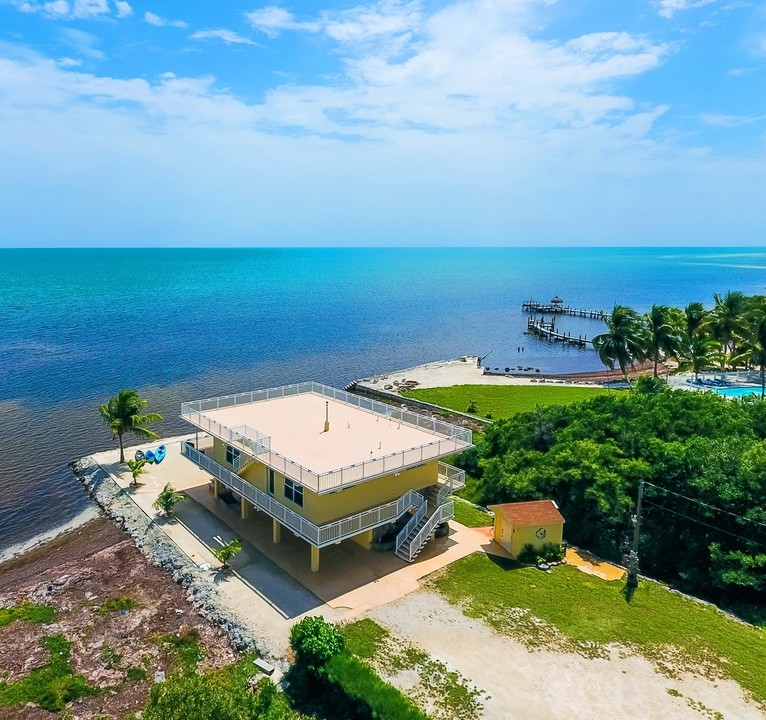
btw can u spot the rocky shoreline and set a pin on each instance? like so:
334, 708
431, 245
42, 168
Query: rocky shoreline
201, 590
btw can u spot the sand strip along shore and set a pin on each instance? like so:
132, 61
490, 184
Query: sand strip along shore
467, 370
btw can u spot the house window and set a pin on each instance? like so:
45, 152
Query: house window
231, 454
271, 481
294, 491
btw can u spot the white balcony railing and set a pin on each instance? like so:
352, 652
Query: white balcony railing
257, 443
318, 535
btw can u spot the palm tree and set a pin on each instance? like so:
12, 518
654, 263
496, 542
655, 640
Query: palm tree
167, 500
753, 350
727, 322
663, 333
227, 551
123, 414
699, 352
624, 341
696, 318
136, 469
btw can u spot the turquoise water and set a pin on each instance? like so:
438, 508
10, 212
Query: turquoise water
739, 391
178, 324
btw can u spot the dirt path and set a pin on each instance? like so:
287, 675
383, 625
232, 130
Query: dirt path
523, 685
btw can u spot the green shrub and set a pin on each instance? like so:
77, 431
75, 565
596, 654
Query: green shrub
42, 614
135, 674
366, 695
315, 641
223, 694
553, 552
472, 407
528, 554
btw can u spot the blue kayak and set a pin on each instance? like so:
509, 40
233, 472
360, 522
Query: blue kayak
149, 456
159, 454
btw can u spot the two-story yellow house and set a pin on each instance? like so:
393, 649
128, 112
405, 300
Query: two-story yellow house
328, 465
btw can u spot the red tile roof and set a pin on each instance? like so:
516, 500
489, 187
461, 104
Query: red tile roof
534, 512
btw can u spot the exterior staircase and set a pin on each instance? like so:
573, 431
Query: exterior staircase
413, 537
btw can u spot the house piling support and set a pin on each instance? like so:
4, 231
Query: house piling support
314, 559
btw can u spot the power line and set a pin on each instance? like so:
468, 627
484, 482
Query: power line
700, 522
707, 505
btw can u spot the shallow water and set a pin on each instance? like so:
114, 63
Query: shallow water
180, 324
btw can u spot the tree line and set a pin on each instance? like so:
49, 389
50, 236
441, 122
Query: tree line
731, 334
704, 461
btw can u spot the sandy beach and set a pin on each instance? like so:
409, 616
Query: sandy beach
468, 370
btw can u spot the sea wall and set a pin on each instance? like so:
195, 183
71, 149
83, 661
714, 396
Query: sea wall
455, 417
202, 592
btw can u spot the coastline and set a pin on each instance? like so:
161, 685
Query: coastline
463, 370
467, 370
92, 512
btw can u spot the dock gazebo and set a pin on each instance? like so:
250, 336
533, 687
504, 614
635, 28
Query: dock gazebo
557, 301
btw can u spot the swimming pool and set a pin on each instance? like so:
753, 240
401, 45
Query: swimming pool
739, 391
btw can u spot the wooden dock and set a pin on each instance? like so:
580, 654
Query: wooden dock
532, 306
547, 331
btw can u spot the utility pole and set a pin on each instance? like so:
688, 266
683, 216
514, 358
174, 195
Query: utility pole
633, 565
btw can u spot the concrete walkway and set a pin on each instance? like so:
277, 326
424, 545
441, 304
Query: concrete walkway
272, 585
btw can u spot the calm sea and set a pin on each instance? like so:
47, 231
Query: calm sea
181, 324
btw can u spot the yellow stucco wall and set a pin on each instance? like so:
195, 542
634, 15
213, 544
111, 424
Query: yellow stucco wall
514, 539
322, 509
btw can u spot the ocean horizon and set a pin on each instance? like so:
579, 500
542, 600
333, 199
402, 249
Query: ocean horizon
187, 323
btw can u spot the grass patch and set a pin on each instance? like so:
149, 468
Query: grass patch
185, 647
582, 613
116, 605
364, 638
28, 611
469, 515
110, 657
51, 686
502, 401
442, 692
135, 674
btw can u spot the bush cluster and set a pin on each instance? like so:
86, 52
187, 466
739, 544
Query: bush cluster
327, 678
704, 456
549, 553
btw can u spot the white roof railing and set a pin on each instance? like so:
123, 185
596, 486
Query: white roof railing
448, 438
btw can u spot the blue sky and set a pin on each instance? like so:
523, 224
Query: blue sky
480, 122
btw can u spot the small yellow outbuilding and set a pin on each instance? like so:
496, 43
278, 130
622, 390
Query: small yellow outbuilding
536, 522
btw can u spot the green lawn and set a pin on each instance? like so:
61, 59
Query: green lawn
582, 613
469, 515
502, 400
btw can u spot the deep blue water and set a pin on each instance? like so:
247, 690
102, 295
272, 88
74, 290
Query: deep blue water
180, 324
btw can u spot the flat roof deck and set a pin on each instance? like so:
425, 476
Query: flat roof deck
295, 425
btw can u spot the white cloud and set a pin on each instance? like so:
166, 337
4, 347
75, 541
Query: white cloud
78, 10
454, 125
730, 121
228, 36
124, 9
89, 8
157, 21
668, 8
273, 20
67, 62
54, 9
83, 42
366, 22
